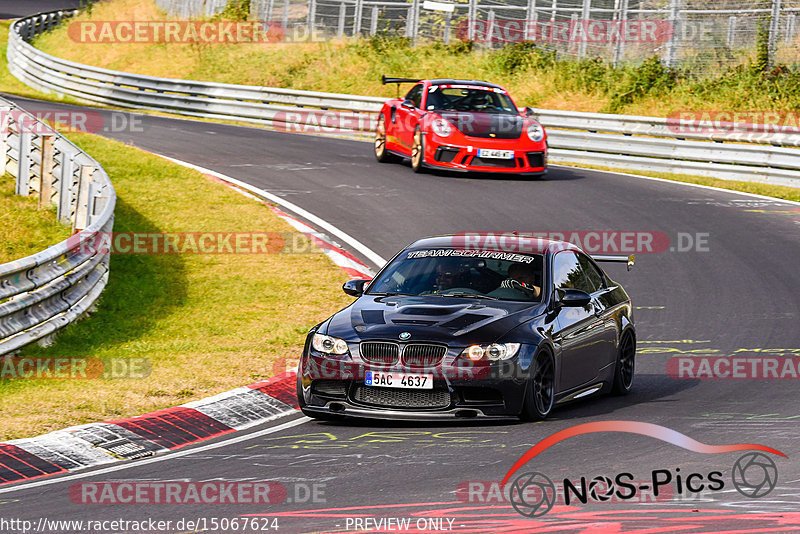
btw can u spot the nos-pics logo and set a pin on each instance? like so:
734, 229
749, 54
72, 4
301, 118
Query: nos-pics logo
533, 494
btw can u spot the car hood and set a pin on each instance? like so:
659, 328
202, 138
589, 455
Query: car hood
488, 125
451, 320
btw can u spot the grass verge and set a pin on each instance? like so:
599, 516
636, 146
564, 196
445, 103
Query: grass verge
24, 229
205, 323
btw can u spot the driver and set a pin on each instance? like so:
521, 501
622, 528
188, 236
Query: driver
482, 101
522, 277
449, 274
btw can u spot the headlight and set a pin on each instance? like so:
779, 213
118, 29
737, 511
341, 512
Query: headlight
329, 344
441, 127
535, 131
494, 352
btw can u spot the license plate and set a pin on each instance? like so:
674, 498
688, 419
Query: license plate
382, 379
495, 154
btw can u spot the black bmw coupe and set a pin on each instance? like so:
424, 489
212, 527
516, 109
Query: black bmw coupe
472, 325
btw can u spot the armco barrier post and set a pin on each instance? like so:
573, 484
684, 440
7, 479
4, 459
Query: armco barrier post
46, 178
65, 187
4, 144
24, 164
82, 206
98, 201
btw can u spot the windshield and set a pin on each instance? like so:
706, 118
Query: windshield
463, 273
471, 98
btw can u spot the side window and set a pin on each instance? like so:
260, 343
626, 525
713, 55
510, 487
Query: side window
594, 277
415, 95
567, 271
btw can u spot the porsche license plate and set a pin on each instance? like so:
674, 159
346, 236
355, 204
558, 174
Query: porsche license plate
495, 154
398, 380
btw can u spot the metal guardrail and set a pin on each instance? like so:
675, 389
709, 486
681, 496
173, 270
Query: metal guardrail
618, 141
43, 293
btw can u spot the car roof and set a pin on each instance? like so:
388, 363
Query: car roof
500, 242
450, 81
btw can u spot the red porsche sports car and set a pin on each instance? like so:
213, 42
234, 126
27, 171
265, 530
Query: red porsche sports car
460, 125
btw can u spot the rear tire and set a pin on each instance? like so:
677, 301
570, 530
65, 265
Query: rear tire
625, 366
418, 152
381, 154
540, 393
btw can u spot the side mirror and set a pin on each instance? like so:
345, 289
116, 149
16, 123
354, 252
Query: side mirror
529, 112
573, 298
408, 104
355, 288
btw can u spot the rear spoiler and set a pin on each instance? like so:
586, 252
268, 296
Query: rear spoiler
619, 259
385, 80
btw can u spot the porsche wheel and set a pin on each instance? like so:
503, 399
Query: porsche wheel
540, 397
381, 154
418, 151
625, 367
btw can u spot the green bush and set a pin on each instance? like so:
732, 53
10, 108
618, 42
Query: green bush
238, 10
516, 57
648, 79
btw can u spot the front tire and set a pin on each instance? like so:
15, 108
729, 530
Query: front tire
418, 152
540, 393
625, 366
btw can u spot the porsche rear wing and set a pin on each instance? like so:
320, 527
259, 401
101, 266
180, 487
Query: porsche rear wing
385, 80
619, 259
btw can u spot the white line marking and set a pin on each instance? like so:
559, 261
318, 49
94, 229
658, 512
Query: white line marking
681, 183
368, 253
167, 456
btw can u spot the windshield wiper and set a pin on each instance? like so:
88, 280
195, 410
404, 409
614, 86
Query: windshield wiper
389, 294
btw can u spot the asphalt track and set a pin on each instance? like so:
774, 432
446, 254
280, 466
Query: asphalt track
739, 297
18, 8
